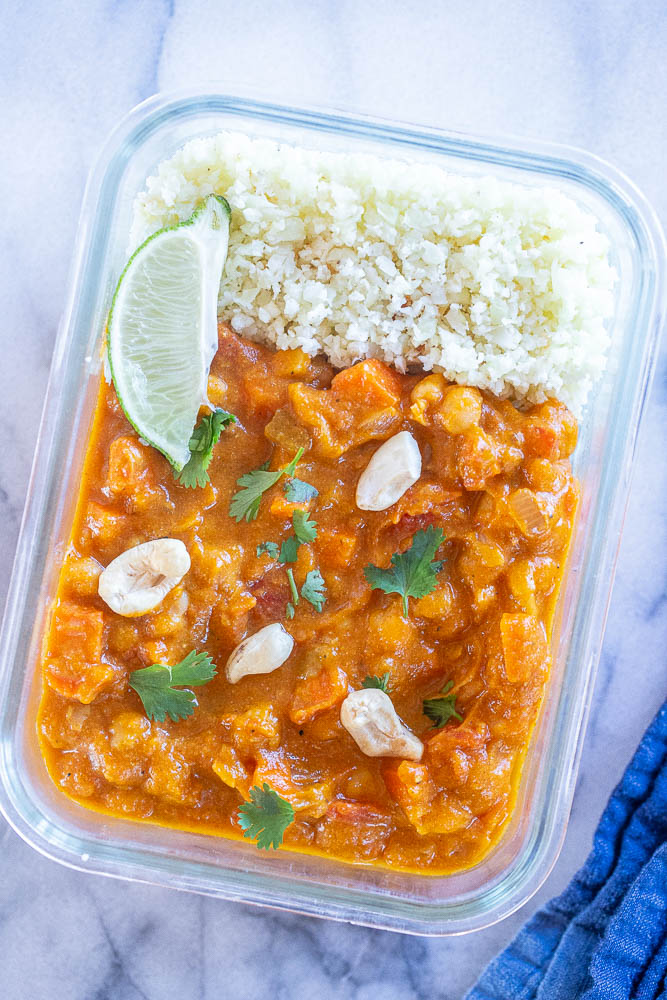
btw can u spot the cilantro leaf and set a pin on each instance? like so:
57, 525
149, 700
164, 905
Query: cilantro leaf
204, 437
271, 549
412, 573
442, 708
372, 681
292, 587
158, 686
314, 589
288, 550
265, 817
305, 530
296, 491
245, 503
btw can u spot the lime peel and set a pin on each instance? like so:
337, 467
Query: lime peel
163, 332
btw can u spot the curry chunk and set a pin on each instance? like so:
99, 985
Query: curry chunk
360, 406
359, 829
78, 671
318, 690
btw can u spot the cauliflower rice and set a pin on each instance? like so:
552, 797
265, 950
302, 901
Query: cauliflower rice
494, 284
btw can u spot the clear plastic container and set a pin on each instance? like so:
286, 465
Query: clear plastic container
514, 870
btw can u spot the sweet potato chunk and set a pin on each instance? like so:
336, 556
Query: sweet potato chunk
231, 770
428, 810
129, 472
317, 691
311, 798
77, 671
361, 405
258, 727
525, 647
477, 462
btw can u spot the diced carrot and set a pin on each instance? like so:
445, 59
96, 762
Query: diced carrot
76, 670
316, 692
525, 647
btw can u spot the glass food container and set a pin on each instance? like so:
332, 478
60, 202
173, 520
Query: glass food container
235, 870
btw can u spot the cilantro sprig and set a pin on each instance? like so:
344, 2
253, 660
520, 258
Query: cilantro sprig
162, 688
245, 503
204, 437
411, 573
374, 681
265, 817
442, 708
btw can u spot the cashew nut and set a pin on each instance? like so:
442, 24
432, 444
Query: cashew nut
371, 720
260, 653
136, 581
394, 467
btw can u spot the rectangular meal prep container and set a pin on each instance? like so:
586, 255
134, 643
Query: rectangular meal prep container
514, 870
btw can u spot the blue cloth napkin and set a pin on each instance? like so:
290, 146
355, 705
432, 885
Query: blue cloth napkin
605, 937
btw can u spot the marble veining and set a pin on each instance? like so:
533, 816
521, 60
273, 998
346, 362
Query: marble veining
591, 74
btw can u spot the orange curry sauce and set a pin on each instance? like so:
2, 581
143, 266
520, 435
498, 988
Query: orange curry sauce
499, 484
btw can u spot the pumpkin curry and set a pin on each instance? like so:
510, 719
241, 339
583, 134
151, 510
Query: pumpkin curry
396, 582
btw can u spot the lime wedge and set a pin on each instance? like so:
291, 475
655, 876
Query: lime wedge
163, 329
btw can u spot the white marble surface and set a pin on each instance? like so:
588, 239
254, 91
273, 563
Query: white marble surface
589, 73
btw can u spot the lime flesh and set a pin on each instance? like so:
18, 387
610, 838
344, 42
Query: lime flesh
163, 327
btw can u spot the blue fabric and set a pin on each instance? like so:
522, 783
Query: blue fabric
605, 937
